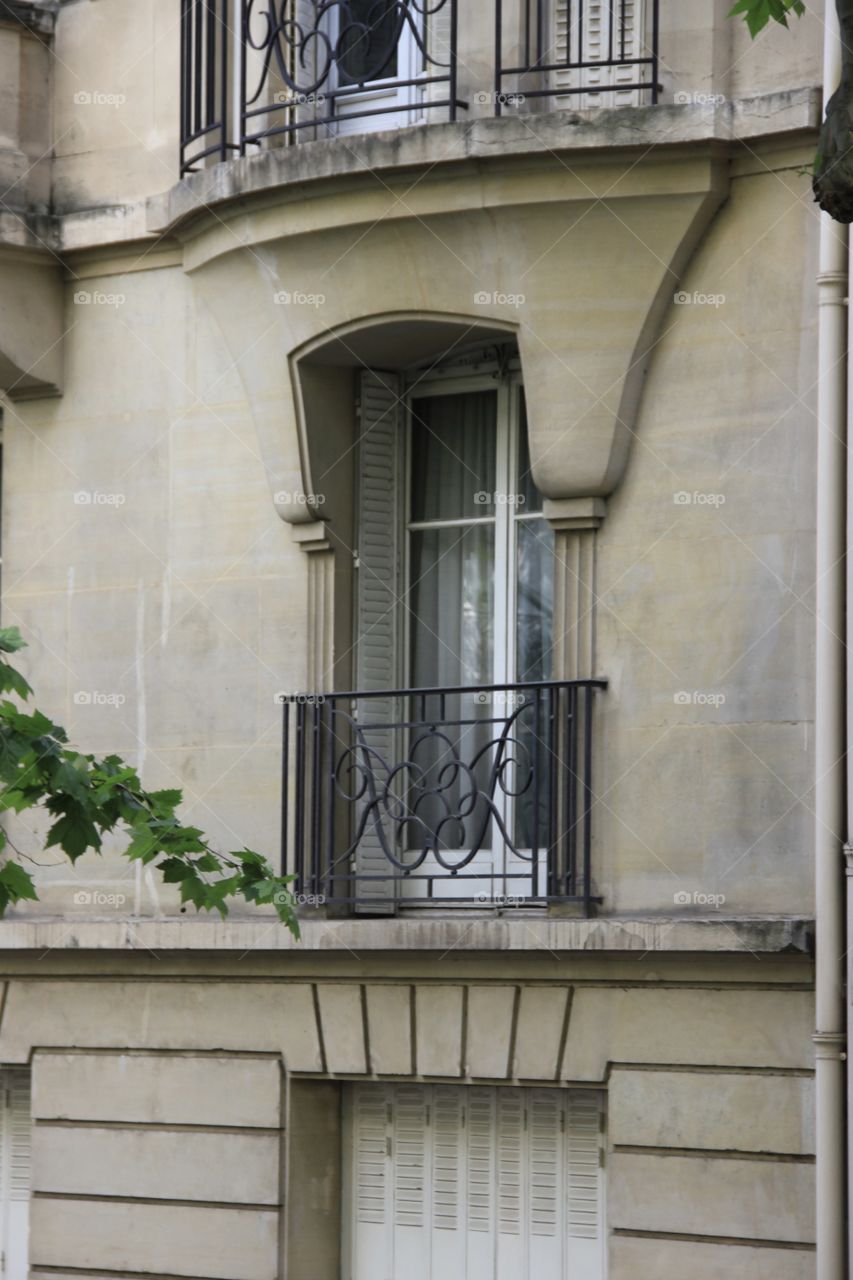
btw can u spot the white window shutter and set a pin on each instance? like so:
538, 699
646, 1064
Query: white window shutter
371, 1189
377, 604
15, 1146
591, 43
584, 1115
447, 1157
438, 34
480, 1124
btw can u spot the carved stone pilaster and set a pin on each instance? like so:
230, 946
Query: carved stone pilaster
314, 541
575, 521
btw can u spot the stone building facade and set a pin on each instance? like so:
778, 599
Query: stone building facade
600, 1062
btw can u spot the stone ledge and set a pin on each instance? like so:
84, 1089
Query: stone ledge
755, 935
487, 139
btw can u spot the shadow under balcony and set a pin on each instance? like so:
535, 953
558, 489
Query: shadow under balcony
410, 799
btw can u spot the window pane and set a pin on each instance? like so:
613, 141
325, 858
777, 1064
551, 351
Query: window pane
453, 456
368, 39
534, 599
452, 606
532, 498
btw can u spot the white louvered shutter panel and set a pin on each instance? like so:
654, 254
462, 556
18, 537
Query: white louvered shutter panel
377, 608
545, 1183
412, 1180
584, 1141
15, 1145
589, 41
510, 1160
371, 1183
438, 34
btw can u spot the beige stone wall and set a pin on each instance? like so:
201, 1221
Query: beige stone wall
166, 603
165, 1138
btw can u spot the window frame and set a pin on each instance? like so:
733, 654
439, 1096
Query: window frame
510, 389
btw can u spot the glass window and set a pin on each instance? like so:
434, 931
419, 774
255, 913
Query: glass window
369, 34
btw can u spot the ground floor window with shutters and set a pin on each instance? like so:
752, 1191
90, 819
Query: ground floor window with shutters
15, 1142
456, 1182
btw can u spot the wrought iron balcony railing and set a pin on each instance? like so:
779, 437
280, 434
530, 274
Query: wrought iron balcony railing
266, 73
418, 798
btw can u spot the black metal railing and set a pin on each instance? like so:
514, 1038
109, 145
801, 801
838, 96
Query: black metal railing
418, 798
265, 72
590, 52
261, 73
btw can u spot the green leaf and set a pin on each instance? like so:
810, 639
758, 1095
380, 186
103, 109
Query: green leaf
165, 802
759, 12
17, 882
11, 640
74, 833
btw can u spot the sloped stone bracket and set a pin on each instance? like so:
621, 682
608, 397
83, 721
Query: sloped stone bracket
31, 324
576, 254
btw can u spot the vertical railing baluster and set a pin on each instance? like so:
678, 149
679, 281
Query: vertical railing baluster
185, 79
198, 69
316, 846
299, 800
209, 62
537, 765
453, 77
655, 49
224, 113
553, 832
611, 18
242, 88
285, 867
330, 800
587, 800
498, 62
572, 803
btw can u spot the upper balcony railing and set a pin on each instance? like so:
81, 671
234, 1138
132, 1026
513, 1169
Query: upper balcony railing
267, 73
436, 798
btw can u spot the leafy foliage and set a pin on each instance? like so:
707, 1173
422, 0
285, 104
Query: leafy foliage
87, 797
759, 12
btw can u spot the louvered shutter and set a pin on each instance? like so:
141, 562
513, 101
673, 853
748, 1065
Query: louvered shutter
371, 1187
15, 1143
377, 609
584, 1142
590, 41
510, 1170
438, 34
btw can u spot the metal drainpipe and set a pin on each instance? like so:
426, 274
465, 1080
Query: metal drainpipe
830, 771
